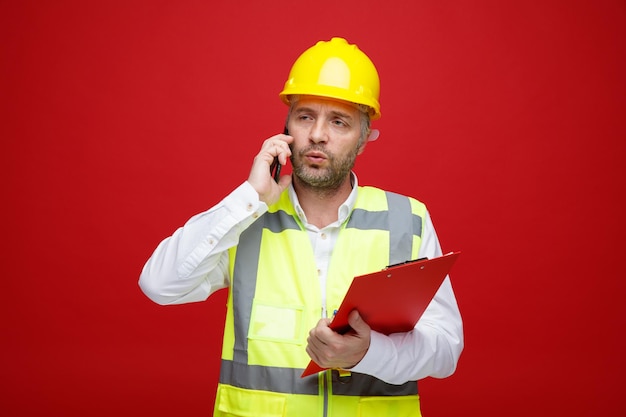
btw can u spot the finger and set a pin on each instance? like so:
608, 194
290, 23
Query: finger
315, 341
320, 335
282, 151
357, 323
284, 181
281, 142
314, 357
320, 352
275, 149
280, 139
313, 348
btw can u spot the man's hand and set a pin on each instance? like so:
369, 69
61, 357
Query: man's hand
333, 350
260, 177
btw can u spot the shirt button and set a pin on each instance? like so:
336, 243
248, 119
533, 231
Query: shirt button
249, 207
255, 215
323, 236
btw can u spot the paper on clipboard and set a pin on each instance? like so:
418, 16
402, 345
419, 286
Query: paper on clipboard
391, 300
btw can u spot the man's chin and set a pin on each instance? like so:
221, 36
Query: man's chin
313, 172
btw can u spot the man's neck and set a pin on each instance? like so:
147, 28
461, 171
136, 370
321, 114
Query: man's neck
322, 205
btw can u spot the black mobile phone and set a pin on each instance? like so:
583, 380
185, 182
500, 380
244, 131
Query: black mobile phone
275, 169
276, 166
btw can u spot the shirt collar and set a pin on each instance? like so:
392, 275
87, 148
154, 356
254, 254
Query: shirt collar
344, 209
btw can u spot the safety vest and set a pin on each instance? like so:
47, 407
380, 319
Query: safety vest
274, 300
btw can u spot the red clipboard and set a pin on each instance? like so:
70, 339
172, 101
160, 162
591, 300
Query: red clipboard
391, 300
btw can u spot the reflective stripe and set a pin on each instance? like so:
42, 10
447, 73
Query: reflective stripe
288, 381
367, 385
279, 221
246, 272
400, 226
243, 285
285, 380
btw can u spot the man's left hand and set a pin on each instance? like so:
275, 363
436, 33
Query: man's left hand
333, 350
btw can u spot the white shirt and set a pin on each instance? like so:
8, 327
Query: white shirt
193, 263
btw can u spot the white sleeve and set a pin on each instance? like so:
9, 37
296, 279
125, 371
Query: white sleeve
433, 347
192, 264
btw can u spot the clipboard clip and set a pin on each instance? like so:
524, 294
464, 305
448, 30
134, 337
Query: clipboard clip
406, 262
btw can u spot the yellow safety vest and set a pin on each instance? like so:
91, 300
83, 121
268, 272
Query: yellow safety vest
274, 300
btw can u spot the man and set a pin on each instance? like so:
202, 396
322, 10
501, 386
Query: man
288, 250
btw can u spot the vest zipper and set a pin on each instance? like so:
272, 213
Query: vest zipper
325, 384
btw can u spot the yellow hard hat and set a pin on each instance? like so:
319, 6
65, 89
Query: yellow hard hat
335, 69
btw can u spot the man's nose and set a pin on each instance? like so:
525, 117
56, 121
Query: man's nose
318, 132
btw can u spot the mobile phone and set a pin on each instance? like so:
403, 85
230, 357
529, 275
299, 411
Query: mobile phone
275, 169
276, 166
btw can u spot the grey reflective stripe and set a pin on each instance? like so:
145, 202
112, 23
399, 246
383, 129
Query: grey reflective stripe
400, 228
367, 385
245, 274
278, 221
288, 381
285, 380
401, 223
243, 286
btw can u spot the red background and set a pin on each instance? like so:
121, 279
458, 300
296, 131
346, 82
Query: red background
121, 119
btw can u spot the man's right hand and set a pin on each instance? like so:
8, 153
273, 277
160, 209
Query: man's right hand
260, 176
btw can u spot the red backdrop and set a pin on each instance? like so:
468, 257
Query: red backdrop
121, 119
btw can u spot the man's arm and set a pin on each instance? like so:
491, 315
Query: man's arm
433, 347
193, 263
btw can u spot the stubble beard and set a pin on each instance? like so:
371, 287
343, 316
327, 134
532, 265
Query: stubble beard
327, 179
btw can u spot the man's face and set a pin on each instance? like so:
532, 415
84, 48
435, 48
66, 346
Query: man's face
326, 135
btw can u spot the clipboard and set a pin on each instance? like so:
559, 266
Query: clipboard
391, 300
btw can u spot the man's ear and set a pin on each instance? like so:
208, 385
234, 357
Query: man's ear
374, 133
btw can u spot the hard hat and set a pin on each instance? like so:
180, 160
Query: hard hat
335, 69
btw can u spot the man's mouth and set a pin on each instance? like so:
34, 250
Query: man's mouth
315, 157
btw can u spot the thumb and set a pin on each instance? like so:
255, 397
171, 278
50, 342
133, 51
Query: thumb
357, 323
284, 181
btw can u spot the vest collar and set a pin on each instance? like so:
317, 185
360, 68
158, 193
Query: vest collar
344, 209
